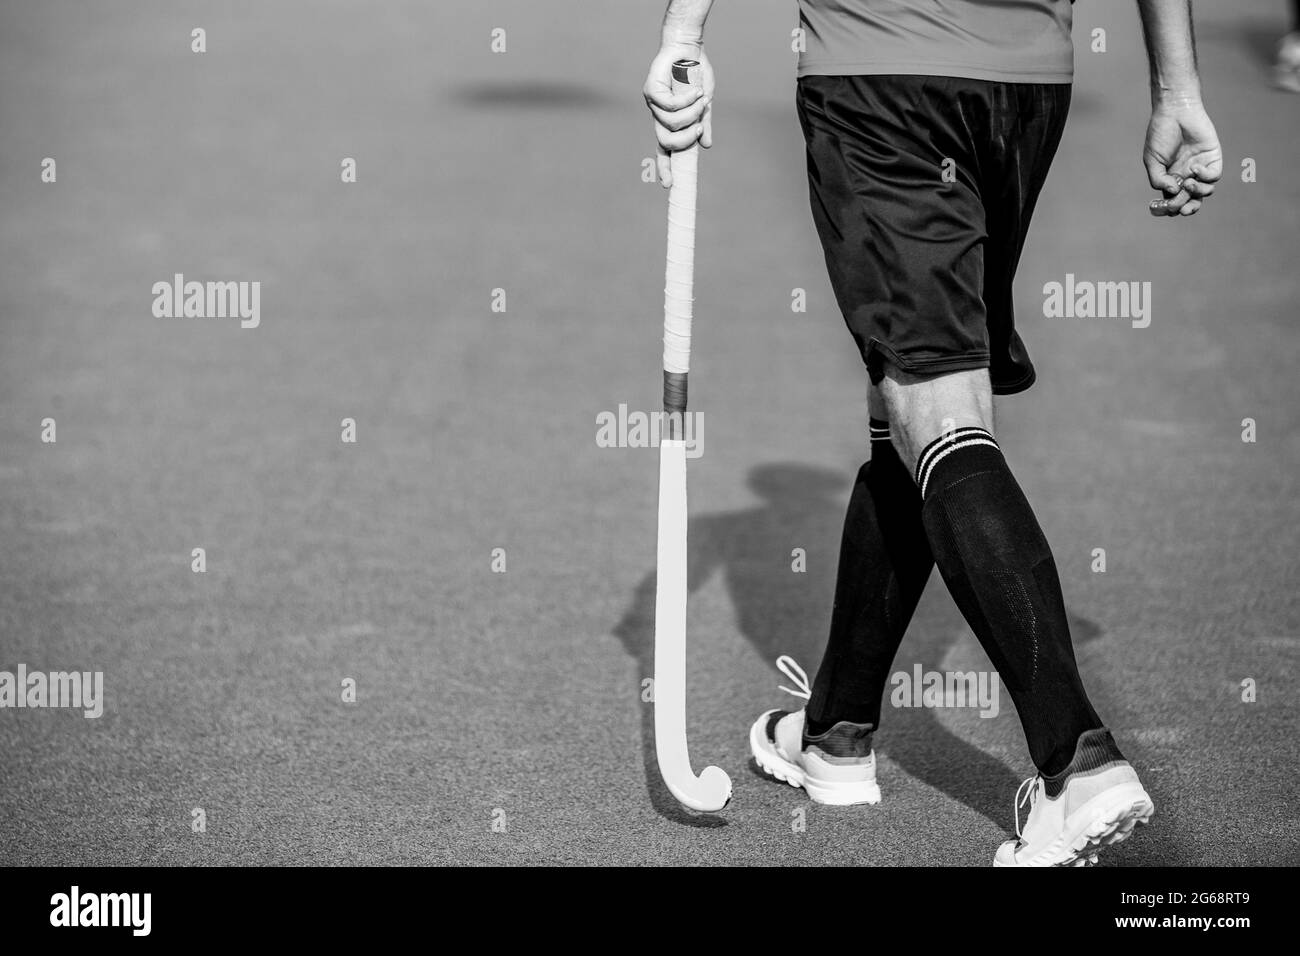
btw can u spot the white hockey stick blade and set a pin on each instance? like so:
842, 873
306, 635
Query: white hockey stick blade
711, 790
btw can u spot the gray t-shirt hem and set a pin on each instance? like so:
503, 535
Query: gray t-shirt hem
970, 71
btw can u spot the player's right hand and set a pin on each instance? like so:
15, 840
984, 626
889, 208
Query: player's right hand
681, 119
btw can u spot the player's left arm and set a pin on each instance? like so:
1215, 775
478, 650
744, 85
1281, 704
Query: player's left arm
1182, 156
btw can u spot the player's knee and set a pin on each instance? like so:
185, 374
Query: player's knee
923, 408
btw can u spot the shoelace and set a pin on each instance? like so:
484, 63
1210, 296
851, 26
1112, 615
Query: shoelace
1030, 796
791, 669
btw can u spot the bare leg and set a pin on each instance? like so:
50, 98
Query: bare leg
921, 408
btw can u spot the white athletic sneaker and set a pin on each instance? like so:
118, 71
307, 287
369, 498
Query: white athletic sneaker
836, 768
1095, 802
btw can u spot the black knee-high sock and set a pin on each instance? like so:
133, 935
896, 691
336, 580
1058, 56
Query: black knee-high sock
997, 564
884, 564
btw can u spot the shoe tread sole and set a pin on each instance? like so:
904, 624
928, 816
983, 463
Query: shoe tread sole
1109, 827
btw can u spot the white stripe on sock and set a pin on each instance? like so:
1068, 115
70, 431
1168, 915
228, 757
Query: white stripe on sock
956, 434
935, 459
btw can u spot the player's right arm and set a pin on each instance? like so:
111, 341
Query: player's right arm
680, 119
1182, 153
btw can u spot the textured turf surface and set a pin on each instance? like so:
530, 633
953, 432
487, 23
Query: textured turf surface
521, 690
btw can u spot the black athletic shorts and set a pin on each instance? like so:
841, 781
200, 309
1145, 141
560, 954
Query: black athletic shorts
922, 267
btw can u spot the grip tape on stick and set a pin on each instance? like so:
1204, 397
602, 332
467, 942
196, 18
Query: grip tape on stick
679, 275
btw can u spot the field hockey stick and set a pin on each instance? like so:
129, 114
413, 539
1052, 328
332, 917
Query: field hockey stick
711, 790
